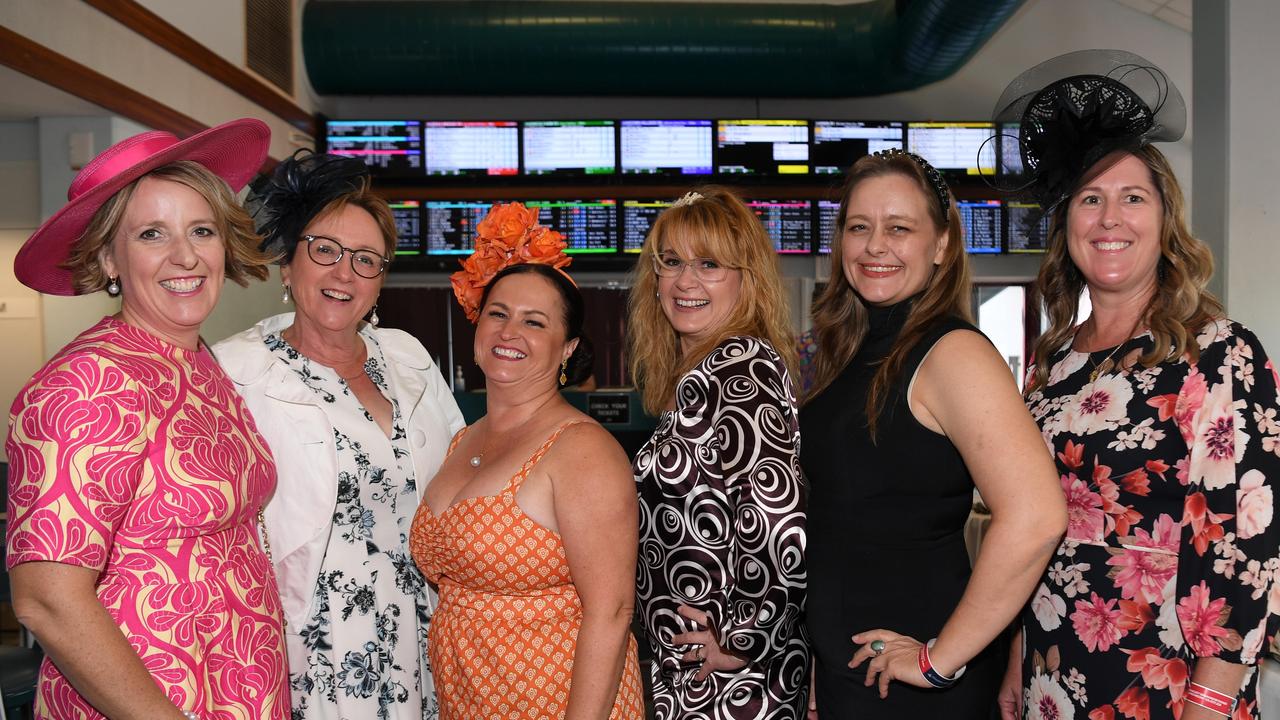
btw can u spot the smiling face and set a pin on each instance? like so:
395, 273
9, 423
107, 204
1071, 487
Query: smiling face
170, 259
520, 335
697, 307
1113, 228
333, 298
889, 242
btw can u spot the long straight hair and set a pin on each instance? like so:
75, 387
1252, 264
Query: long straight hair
1182, 304
840, 317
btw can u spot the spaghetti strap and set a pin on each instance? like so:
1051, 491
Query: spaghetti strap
514, 486
457, 438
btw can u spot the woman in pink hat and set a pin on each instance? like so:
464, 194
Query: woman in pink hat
136, 473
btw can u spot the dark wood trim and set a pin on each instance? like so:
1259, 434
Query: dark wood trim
186, 48
52, 68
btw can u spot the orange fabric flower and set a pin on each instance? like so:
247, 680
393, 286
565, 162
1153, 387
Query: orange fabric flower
508, 235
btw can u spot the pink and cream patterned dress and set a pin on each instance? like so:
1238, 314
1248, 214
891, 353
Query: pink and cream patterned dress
138, 459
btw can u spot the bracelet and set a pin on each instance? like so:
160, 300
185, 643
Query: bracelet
931, 676
1210, 699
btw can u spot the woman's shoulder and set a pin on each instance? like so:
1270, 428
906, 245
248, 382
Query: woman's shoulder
96, 362
400, 347
736, 353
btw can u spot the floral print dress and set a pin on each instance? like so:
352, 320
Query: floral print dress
1171, 550
366, 638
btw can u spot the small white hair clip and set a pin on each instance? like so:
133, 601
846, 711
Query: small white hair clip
689, 198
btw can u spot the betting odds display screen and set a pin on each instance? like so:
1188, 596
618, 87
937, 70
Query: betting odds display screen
954, 146
666, 147
391, 148
472, 148
408, 215
638, 217
569, 147
839, 144
1022, 238
788, 222
451, 225
588, 226
828, 214
762, 147
983, 225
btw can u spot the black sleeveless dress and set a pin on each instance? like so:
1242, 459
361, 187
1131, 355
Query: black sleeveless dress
886, 544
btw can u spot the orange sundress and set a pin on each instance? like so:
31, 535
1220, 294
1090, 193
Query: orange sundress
502, 641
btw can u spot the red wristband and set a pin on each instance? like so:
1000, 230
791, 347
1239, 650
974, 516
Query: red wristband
1210, 699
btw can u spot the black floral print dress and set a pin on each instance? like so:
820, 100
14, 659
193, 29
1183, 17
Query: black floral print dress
1171, 549
722, 530
366, 640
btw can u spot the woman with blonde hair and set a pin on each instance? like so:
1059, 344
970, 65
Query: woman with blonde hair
1160, 412
912, 407
721, 576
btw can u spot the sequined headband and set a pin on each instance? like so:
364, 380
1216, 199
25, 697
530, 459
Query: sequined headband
930, 172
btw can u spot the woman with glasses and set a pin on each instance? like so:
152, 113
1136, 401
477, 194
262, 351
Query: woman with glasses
358, 419
721, 573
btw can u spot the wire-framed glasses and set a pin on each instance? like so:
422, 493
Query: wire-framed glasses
327, 251
669, 265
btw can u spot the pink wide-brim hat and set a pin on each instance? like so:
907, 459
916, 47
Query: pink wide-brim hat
233, 151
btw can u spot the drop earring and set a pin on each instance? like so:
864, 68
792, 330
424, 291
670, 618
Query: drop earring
564, 365
373, 318
284, 296
113, 288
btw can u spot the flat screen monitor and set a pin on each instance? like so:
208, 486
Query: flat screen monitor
638, 217
391, 148
983, 225
472, 148
666, 147
762, 147
828, 214
569, 147
788, 222
953, 146
408, 215
451, 225
837, 144
1010, 150
588, 226
1023, 237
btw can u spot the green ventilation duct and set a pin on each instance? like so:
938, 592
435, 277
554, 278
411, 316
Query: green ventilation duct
707, 49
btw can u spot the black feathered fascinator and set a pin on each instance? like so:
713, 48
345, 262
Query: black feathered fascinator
1074, 110
283, 204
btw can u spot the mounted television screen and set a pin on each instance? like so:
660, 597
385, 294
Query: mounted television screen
1019, 216
451, 225
472, 148
391, 148
1010, 150
666, 147
828, 214
408, 215
588, 226
953, 146
637, 219
788, 222
983, 225
762, 147
838, 144
569, 147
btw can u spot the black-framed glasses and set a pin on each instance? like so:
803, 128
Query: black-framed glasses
327, 251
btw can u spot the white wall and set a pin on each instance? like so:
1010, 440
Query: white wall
218, 24
20, 330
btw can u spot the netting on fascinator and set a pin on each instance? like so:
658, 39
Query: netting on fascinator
1072, 111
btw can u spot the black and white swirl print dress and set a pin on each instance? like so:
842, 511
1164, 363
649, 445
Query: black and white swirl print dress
722, 529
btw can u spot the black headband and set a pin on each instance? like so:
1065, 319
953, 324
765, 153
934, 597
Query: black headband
930, 172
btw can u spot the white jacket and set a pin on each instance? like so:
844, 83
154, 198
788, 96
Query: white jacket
299, 515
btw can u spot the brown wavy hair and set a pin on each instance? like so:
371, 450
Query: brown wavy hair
840, 317
721, 228
1181, 305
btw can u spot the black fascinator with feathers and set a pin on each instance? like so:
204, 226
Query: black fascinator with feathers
284, 203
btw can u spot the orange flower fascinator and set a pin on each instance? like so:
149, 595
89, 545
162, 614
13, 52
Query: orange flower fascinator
508, 235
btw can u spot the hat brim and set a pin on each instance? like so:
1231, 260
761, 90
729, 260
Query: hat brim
233, 151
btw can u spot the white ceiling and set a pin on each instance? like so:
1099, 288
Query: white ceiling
23, 98
1175, 12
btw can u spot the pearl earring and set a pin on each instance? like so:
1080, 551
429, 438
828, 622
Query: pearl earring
284, 296
373, 319
113, 289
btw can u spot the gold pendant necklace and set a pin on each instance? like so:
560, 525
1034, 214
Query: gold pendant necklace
1106, 365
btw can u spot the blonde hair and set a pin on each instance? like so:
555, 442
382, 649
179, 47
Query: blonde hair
1181, 305
717, 226
840, 319
244, 259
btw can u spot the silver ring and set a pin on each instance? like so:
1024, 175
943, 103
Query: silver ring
877, 647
